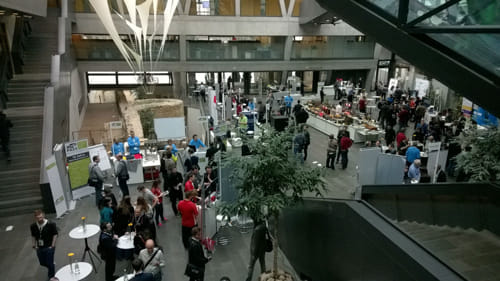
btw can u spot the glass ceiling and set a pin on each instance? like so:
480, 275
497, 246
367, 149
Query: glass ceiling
481, 46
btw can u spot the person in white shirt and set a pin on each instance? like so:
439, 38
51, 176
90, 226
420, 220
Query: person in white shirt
338, 109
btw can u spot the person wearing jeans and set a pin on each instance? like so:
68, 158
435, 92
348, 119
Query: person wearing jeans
44, 235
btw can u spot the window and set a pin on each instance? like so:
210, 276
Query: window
127, 78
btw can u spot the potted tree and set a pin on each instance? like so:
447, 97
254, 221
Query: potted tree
269, 180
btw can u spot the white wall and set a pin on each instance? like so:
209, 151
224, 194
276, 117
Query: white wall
33, 7
75, 117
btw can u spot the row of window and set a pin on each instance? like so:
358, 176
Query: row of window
127, 78
250, 8
209, 48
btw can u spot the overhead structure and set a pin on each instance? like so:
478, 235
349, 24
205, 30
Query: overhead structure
140, 50
454, 41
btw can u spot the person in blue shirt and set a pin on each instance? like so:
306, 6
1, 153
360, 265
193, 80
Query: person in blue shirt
412, 153
288, 104
196, 142
134, 144
414, 171
172, 146
117, 147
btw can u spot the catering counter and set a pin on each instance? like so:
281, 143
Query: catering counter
358, 133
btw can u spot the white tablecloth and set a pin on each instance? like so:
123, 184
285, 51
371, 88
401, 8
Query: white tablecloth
126, 242
65, 274
79, 233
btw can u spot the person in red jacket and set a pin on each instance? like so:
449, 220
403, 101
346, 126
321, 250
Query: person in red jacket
362, 104
188, 211
345, 144
400, 137
188, 186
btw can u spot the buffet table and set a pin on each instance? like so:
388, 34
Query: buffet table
358, 133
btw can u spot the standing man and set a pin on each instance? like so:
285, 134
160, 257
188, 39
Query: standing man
138, 267
307, 141
362, 104
44, 234
196, 256
243, 123
97, 177
174, 184
257, 248
122, 174
117, 147
288, 104
342, 132
298, 145
5, 126
108, 242
331, 151
188, 211
153, 259
134, 144
196, 142
322, 95
345, 144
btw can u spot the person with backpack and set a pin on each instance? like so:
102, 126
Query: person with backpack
107, 249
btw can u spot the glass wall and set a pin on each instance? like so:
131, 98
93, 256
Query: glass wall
260, 8
235, 48
332, 47
88, 47
212, 8
83, 6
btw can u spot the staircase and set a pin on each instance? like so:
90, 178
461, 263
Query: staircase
474, 254
20, 178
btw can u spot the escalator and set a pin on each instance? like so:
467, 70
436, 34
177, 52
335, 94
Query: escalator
348, 240
454, 41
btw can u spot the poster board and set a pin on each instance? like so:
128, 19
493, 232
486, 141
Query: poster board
466, 107
78, 169
390, 169
56, 187
170, 128
421, 86
367, 171
100, 151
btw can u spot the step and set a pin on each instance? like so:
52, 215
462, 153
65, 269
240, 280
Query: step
27, 90
18, 99
24, 104
10, 194
20, 201
21, 185
19, 210
33, 176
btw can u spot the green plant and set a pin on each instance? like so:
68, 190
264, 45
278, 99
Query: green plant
482, 162
147, 119
269, 180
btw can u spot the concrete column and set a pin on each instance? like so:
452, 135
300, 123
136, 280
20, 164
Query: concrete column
182, 47
370, 78
288, 48
237, 8
180, 84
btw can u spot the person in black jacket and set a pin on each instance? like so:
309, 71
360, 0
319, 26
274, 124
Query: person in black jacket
44, 234
107, 249
196, 256
257, 248
5, 126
